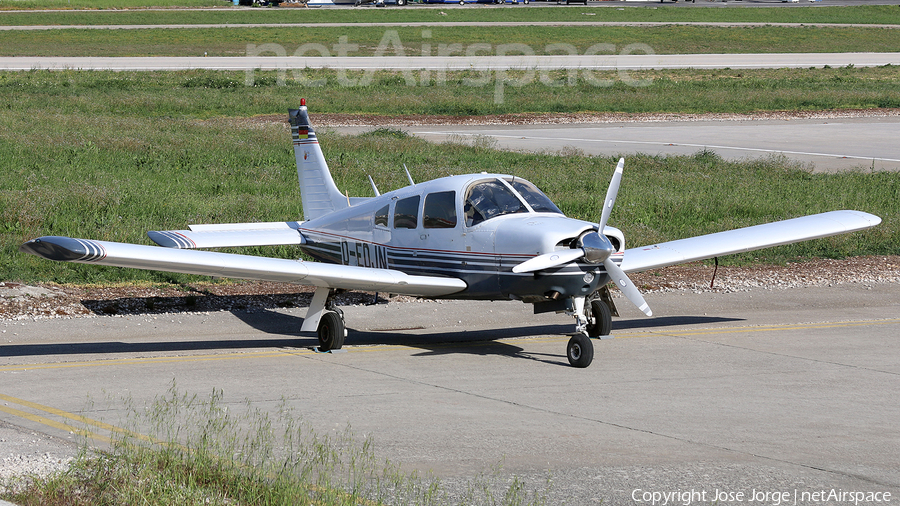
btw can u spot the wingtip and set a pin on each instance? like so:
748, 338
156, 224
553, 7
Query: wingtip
64, 249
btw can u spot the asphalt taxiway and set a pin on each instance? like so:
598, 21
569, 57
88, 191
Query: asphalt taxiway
825, 144
786, 390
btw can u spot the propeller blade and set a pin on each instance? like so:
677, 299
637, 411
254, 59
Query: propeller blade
549, 260
611, 193
631, 292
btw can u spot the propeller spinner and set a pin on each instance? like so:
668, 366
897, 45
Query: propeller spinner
595, 248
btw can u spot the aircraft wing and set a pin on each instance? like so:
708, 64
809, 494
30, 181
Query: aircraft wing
746, 239
230, 235
211, 263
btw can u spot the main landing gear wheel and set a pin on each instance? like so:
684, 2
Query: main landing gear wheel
331, 331
580, 351
599, 318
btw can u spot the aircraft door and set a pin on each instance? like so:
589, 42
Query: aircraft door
405, 241
428, 234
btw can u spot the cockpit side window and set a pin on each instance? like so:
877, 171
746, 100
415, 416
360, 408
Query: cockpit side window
440, 210
406, 212
490, 199
535, 198
381, 217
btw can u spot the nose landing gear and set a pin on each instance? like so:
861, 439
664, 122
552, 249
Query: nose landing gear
593, 319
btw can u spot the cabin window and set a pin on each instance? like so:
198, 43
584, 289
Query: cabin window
490, 199
406, 212
440, 210
535, 198
381, 217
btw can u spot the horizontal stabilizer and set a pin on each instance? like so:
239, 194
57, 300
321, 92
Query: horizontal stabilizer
230, 235
746, 239
210, 263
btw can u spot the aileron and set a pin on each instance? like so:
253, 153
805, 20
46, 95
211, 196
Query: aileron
741, 240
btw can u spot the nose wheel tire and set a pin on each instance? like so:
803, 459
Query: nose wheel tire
331, 331
580, 351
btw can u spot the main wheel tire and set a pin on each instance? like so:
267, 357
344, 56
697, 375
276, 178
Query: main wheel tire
401, 3
600, 319
331, 331
580, 351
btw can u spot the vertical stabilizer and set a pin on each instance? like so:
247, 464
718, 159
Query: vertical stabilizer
319, 194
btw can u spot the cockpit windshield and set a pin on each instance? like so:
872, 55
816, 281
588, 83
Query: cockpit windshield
535, 198
492, 198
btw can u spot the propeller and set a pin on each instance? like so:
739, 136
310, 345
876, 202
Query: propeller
595, 248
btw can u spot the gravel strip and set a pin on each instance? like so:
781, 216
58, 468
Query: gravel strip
341, 120
21, 302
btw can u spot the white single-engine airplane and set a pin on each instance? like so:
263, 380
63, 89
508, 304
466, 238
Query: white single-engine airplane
478, 236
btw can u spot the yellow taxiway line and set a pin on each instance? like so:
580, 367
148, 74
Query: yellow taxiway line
287, 353
88, 422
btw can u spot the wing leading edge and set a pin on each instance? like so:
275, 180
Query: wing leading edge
229, 265
746, 239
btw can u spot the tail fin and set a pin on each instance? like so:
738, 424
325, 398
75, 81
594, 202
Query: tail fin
319, 194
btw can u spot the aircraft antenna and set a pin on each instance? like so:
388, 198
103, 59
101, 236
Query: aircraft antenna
374, 188
408, 176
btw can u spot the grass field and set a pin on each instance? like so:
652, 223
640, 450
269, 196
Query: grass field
667, 39
209, 94
109, 156
598, 11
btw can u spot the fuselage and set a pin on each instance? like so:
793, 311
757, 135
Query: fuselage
475, 227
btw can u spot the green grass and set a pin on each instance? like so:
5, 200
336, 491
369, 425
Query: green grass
206, 451
111, 155
668, 39
209, 94
864, 14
